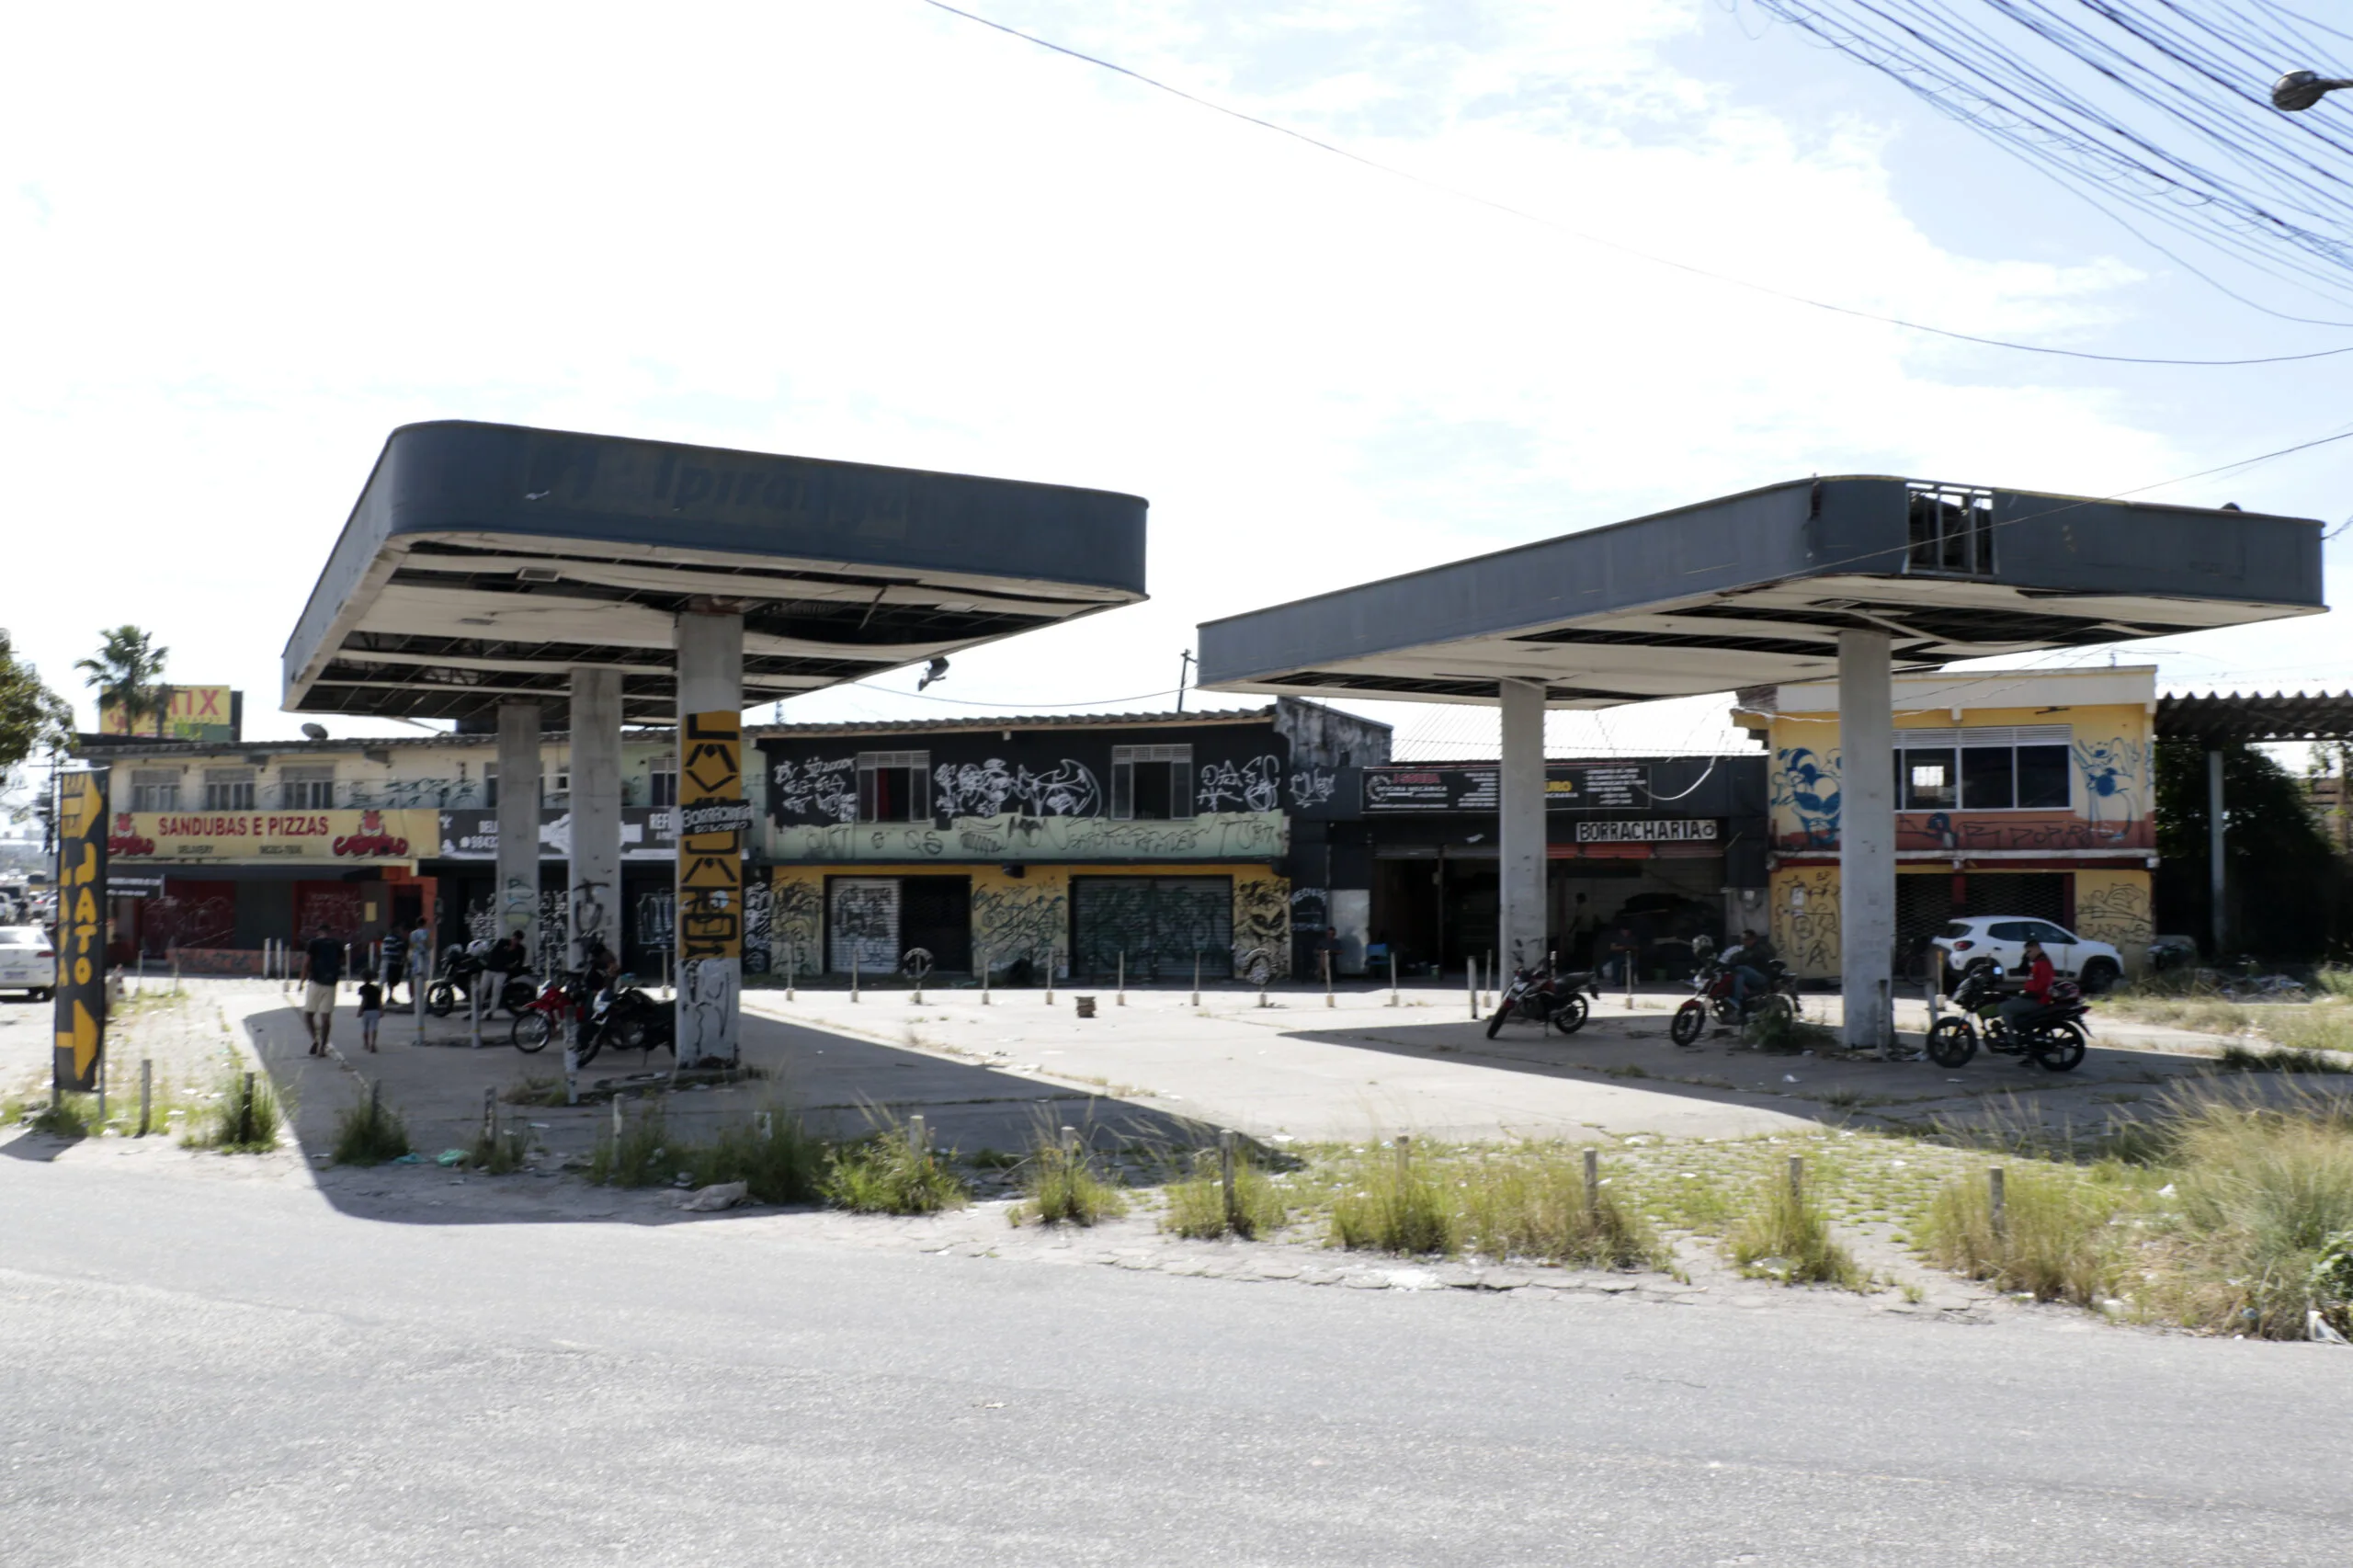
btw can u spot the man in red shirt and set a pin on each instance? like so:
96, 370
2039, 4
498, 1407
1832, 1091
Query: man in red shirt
2039, 974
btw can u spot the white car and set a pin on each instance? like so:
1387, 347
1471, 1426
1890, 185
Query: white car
27, 961
2094, 966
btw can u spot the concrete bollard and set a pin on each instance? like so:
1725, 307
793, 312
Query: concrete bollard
1998, 1202
572, 1074
766, 1122
1592, 1187
792, 967
1119, 996
981, 960
1069, 1144
1797, 1178
1393, 979
1050, 977
1470, 981
620, 1116
146, 1092
853, 972
1404, 1156
1225, 1173
1197, 977
474, 1008
1329, 1000
918, 1133
490, 1114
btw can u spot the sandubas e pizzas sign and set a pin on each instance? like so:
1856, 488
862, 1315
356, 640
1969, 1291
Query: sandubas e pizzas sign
81, 930
713, 821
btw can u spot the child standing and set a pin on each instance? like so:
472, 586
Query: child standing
372, 1011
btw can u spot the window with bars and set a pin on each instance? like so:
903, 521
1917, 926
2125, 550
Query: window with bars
2028, 768
1951, 531
895, 786
662, 781
155, 790
228, 789
1151, 783
306, 789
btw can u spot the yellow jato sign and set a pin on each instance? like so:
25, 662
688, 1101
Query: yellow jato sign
81, 929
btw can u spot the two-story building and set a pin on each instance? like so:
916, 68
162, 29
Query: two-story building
2026, 791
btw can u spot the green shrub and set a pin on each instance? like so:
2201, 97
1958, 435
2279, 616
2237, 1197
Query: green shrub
1197, 1204
1389, 1205
1531, 1203
65, 1116
367, 1133
641, 1157
2263, 1193
1063, 1186
885, 1172
770, 1153
239, 1121
1788, 1237
2056, 1239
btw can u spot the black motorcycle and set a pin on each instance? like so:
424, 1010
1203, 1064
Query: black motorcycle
624, 1017
455, 979
1543, 996
1714, 996
2052, 1037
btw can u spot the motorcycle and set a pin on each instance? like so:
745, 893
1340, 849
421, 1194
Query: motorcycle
1542, 996
537, 1021
624, 1017
1714, 997
2052, 1037
456, 978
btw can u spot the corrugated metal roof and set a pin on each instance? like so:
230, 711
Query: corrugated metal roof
2252, 716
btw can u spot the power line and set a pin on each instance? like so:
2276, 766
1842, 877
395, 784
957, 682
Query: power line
1526, 216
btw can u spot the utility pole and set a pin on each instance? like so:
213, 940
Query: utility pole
1184, 672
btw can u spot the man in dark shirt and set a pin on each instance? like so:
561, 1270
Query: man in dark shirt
1623, 944
322, 971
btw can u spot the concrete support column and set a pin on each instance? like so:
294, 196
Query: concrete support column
713, 824
1520, 842
595, 903
517, 899
2218, 920
1866, 837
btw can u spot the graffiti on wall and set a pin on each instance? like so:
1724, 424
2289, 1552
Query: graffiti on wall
795, 921
1016, 920
482, 923
1312, 786
825, 789
989, 789
2113, 772
1805, 920
1254, 786
1804, 782
173, 922
657, 911
1226, 836
1262, 924
2117, 913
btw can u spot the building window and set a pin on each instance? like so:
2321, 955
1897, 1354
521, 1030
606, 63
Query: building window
895, 786
662, 782
2029, 768
155, 790
306, 789
1151, 783
228, 789
1951, 531
554, 790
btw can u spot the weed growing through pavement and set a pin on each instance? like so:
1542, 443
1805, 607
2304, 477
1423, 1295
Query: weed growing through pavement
1390, 1202
1197, 1204
637, 1157
1530, 1202
769, 1152
1063, 1184
1786, 1236
2057, 1238
367, 1133
886, 1173
243, 1118
65, 1116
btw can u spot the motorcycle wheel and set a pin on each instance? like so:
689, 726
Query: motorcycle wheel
1495, 1023
1569, 1014
2059, 1049
1689, 1019
530, 1033
1951, 1043
591, 1041
440, 998
633, 1034
517, 995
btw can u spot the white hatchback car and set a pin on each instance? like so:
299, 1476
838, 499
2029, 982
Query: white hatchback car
27, 961
2094, 966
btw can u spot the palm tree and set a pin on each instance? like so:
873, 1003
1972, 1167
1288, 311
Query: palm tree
129, 672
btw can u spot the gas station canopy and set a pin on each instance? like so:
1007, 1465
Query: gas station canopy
1756, 588
486, 563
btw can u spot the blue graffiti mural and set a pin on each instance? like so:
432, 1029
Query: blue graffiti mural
1806, 781
2111, 771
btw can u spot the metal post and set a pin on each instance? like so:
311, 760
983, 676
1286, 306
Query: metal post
1197, 977
146, 1092
853, 971
1225, 1172
420, 976
1797, 1178
1471, 984
2217, 823
490, 1116
620, 1116
918, 1135
1997, 1202
1329, 1000
1393, 977
1069, 1144
1404, 1157
1936, 986
792, 967
1120, 997
981, 957
1050, 976
1592, 1187
246, 1113
1494, 981
1887, 1011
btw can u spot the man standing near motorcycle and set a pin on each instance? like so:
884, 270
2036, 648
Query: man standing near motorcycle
2040, 976
1747, 961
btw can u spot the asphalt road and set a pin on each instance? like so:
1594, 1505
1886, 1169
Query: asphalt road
219, 1371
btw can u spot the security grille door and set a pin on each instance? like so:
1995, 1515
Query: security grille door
935, 915
862, 918
1158, 922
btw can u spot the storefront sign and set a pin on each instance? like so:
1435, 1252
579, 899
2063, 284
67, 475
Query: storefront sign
275, 837
1568, 787
1652, 830
648, 833
134, 884
190, 713
81, 929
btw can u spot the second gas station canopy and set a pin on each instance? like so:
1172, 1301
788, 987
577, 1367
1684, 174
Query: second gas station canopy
1756, 587
484, 563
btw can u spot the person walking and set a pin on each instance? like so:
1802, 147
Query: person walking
322, 972
372, 1011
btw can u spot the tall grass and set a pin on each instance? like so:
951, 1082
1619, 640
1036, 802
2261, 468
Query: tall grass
1787, 1235
2056, 1240
2262, 1191
368, 1133
1389, 1204
1532, 1203
639, 1157
1062, 1185
1197, 1204
239, 1121
769, 1152
887, 1173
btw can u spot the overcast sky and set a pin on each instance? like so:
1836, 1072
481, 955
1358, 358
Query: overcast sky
242, 245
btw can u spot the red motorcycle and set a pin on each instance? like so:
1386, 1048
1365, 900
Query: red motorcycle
1541, 996
1714, 995
536, 1023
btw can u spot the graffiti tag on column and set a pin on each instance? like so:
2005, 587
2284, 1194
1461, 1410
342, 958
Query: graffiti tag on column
711, 865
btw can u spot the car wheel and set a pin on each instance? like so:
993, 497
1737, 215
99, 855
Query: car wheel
2099, 977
